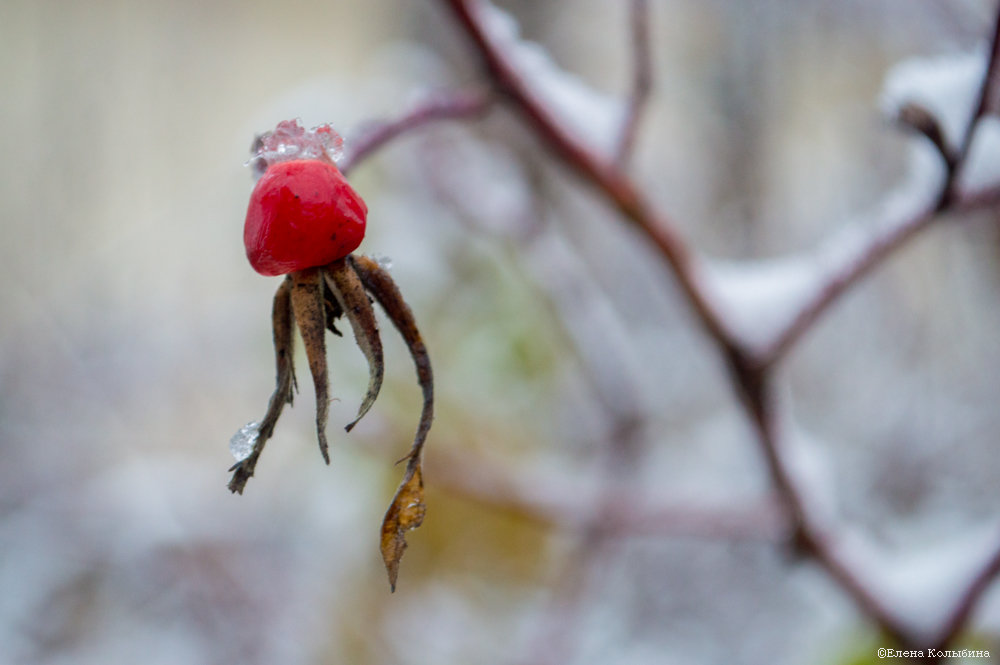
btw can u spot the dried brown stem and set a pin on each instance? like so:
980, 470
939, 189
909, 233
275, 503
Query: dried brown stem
307, 305
347, 289
380, 284
283, 323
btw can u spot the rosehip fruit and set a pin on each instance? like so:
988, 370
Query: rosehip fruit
302, 214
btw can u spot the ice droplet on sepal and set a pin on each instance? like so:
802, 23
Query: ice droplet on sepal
242, 443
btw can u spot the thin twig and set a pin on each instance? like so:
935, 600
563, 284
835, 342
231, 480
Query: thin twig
752, 379
977, 586
440, 106
987, 90
751, 376
872, 256
610, 180
880, 247
642, 79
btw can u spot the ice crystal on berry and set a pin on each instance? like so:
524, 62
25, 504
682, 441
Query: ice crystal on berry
290, 140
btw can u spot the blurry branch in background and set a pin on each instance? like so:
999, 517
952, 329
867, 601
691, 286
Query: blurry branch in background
751, 361
567, 504
969, 599
949, 200
642, 79
984, 105
447, 105
593, 518
751, 373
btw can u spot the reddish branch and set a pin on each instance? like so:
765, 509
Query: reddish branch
642, 79
872, 256
987, 92
950, 200
751, 376
440, 106
968, 601
592, 167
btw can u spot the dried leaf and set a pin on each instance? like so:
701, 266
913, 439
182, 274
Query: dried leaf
349, 292
307, 305
405, 512
283, 324
380, 284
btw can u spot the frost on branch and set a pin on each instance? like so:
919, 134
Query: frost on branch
982, 166
947, 88
760, 300
922, 586
594, 118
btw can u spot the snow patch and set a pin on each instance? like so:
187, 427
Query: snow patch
595, 119
947, 86
810, 469
923, 586
759, 299
982, 165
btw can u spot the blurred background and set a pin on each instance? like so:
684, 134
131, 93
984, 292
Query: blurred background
135, 341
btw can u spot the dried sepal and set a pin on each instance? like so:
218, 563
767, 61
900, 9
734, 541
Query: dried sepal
380, 284
407, 508
350, 294
313, 299
405, 512
283, 324
307, 305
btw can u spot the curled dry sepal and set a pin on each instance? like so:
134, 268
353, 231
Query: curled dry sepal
304, 220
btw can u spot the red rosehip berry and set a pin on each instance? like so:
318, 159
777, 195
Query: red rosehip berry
302, 214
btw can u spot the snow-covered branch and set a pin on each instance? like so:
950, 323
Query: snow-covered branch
756, 310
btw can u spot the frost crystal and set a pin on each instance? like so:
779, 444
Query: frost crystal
290, 140
384, 262
241, 445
